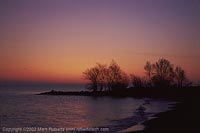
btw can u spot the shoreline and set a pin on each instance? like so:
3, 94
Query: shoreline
142, 126
183, 116
171, 93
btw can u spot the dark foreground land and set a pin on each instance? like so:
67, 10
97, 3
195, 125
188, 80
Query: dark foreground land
184, 117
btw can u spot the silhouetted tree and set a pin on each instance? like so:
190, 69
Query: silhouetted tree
116, 78
102, 77
92, 75
124, 81
148, 71
160, 74
163, 73
136, 81
107, 78
180, 76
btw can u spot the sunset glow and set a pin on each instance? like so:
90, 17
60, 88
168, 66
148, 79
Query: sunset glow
55, 41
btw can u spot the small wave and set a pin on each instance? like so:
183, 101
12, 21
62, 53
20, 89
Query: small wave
128, 122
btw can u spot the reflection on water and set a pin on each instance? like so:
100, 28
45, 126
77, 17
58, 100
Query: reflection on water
27, 109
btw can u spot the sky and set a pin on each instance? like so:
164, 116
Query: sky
56, 40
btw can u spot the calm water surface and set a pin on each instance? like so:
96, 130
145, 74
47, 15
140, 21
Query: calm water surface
20, 107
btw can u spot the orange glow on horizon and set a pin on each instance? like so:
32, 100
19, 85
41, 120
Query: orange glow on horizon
44, 42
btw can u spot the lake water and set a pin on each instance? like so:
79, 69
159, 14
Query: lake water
20, 107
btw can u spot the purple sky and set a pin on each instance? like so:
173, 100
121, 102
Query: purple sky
46, 40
